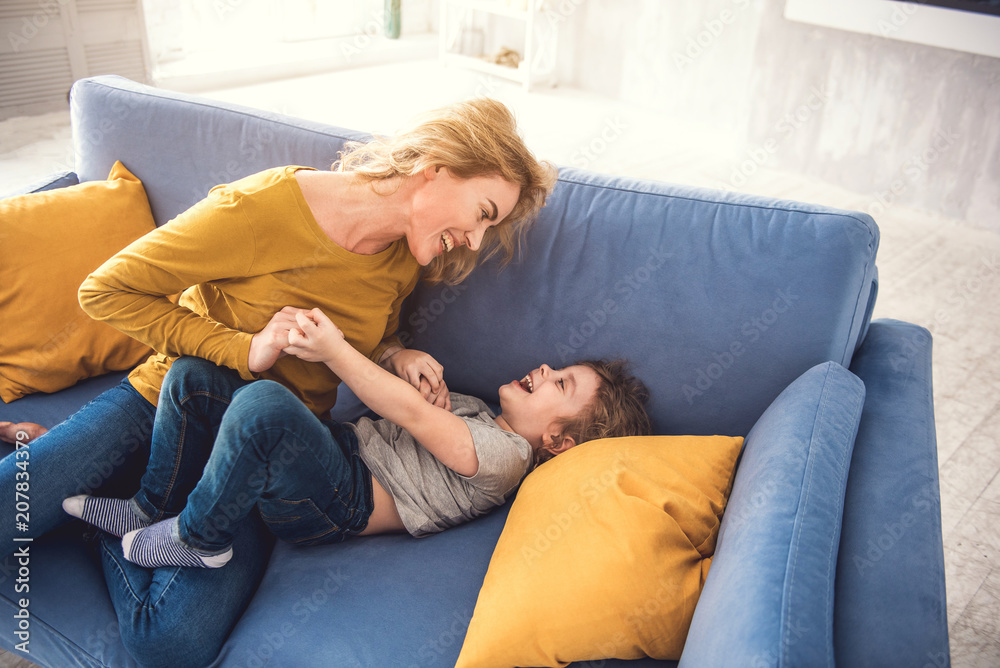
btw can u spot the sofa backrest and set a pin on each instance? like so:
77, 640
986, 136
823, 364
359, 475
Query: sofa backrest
720, 300
181, 146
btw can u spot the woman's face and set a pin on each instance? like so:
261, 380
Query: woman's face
449, 212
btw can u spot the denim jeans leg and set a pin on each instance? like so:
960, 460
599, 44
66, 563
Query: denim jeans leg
170, 617
193, 398
271, 449
100, 449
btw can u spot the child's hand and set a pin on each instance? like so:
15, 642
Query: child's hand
423, 372
267, 345
317, 339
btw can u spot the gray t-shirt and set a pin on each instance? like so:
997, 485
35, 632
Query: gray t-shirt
429, 496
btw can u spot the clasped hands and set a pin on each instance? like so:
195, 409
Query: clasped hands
311, 336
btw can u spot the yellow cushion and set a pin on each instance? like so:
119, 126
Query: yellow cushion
604, 553
51, 241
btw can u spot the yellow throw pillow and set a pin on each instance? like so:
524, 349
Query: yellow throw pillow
51, 241
604, 553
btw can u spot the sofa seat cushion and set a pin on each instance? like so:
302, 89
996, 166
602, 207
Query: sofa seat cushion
72, 621
389, 600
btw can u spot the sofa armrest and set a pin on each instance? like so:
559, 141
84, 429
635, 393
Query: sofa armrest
768, 598
891, 607
50, 182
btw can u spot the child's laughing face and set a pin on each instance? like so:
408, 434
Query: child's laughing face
535, 405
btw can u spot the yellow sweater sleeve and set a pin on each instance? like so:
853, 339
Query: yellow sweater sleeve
209, 242
390, 338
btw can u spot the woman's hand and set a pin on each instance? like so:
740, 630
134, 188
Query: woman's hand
316, 338
20, 432
268, 344
422, 372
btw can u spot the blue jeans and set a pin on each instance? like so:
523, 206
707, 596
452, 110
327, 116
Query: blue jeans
166, 616
101, 449
222, 447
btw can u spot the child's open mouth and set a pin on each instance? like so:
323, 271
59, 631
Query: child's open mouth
526, 384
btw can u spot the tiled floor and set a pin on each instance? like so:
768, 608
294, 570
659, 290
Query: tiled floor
933, 271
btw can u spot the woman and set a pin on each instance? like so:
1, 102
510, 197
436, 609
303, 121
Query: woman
457, 185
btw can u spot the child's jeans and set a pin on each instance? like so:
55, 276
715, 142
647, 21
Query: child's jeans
222, 446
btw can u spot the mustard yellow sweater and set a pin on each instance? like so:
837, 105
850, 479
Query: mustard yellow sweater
239, 256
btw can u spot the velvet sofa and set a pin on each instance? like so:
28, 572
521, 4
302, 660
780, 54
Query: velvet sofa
744, 315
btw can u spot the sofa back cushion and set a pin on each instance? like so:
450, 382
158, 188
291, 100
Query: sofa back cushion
720, 300
181, 146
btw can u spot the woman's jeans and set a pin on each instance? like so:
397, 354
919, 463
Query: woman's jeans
166, 616
222, 447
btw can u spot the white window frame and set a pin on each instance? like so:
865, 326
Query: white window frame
911, 22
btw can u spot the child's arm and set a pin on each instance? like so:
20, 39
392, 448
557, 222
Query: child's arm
444, 434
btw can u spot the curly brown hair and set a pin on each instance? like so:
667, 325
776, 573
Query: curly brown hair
617, 409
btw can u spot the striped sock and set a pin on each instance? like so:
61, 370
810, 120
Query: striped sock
112, 515
156, 546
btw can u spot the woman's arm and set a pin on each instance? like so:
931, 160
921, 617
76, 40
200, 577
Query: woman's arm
208, 242
445, 435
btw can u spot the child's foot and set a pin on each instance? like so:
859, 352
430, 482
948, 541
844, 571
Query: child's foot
156, 546
112, 515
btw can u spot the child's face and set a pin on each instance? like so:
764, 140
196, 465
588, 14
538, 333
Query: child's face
534, 405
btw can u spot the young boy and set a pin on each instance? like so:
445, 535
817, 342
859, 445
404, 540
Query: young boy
422, 469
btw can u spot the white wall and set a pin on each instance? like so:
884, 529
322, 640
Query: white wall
899, 122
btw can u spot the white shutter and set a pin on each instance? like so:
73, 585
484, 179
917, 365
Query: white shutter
47, 45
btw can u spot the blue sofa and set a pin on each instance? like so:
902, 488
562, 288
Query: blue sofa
744, 315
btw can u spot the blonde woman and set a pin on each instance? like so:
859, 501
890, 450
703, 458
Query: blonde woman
456, 186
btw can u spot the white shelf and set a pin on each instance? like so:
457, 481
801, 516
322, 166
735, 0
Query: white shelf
518, 74
540, 40
491, 7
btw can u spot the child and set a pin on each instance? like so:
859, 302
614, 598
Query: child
422, 469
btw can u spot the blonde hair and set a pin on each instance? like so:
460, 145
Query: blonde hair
617, 409
474, 138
